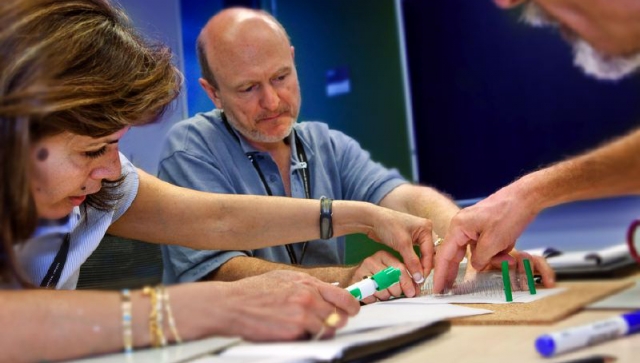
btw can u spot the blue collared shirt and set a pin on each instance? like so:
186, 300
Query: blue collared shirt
200, 153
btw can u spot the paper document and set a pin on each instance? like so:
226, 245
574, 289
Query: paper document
323, 350
381, 314
375, 322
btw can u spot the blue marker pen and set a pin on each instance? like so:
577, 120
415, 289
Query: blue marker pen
582, 336
380, 281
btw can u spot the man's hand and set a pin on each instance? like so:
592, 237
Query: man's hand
378, 262
490, 227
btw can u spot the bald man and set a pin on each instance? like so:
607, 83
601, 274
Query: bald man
251, 144
605, 35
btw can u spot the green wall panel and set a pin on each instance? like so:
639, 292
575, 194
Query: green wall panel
361, 36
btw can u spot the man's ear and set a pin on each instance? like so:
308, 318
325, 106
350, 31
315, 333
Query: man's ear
211, 91
505, 4
293, 53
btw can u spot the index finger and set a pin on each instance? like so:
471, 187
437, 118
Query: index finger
339, 297
450, 254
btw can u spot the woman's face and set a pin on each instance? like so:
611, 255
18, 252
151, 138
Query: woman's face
68, 167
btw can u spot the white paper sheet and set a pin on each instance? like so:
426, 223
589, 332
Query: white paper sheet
382, 314
392, 320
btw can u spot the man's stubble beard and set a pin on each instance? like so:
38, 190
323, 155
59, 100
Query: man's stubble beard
592, 62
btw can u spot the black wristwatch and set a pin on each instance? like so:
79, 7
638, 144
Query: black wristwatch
326, 223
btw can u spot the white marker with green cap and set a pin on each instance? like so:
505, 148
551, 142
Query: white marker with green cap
380, 281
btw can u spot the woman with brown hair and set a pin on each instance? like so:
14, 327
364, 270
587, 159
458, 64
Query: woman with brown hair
74, 76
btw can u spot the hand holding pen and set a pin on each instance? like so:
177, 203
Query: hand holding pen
376, 263
379, 281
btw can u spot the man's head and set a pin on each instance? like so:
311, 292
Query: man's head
605, 34
248, 71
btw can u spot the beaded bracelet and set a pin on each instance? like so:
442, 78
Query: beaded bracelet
127, 333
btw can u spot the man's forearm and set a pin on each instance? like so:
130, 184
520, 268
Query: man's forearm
611, 170
424, 202
240, 267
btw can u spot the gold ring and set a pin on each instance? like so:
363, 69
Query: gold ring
332, 320
438, 241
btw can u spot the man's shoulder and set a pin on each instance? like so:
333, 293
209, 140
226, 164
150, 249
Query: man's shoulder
312, 126
202, 127
317, 129
198, 134
203, 121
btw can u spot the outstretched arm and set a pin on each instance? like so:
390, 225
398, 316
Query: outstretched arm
493, 225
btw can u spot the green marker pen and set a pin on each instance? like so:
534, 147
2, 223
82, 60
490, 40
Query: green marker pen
380, 281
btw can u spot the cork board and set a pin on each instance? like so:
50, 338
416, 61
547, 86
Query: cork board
548, 310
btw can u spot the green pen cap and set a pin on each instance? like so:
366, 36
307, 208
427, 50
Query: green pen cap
386, 277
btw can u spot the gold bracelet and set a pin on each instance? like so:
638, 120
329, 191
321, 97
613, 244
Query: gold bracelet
127, 333
172, 323
160, 316
160, 319
155, 317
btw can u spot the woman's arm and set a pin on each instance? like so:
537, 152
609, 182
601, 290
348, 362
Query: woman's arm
51, 325
163, 213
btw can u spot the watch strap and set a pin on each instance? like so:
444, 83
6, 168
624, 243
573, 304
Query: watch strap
326, 221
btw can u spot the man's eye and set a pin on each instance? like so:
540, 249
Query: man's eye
96, 153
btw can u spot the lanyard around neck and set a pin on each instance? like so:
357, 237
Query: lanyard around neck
304, 173
52, 277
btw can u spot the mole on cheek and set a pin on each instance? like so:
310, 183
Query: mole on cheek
42, 154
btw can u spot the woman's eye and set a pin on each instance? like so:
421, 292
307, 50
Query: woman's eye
96, 153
